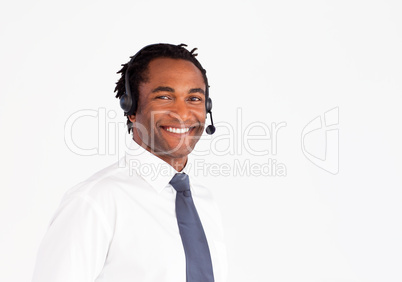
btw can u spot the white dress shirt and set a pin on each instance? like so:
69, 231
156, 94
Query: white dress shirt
120, 225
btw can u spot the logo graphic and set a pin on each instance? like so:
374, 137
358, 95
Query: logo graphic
256, 141
320, 142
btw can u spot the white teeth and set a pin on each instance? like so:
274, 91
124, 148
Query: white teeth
177, 130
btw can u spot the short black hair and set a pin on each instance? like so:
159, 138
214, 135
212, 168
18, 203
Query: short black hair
137, 69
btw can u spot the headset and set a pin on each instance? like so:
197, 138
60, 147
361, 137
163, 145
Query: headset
127, 103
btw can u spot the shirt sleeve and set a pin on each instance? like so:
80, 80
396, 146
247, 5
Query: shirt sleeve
75, 246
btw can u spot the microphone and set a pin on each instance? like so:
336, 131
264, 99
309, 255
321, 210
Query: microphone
210, 128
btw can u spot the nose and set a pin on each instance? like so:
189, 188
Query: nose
180, 110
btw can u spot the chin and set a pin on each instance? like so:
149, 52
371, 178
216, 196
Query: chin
177, 153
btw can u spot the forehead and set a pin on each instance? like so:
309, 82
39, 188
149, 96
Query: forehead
162, 69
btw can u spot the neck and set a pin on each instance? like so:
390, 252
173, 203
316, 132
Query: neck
178, 163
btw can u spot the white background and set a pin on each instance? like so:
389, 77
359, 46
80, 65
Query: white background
275, 61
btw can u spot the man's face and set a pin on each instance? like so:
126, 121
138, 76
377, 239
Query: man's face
171, 109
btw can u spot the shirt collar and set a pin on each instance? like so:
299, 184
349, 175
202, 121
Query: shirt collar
152, 169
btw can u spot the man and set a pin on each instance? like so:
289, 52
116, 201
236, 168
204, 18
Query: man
124, 224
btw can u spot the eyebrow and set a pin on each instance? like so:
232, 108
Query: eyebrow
196, 90
170, 89
163, 89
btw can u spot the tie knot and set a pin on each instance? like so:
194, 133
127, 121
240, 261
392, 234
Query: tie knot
180, 182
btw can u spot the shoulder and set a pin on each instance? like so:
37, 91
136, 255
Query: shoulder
96, 196
102, 188
95, 182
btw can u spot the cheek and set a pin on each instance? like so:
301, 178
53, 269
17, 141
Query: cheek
142, 125
142, 115
201, 114
150, 113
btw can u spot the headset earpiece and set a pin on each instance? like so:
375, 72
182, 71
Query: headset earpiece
208, 105
125, 103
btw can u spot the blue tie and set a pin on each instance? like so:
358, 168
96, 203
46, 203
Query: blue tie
198, 258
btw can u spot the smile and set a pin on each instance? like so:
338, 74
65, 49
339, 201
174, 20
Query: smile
177, 130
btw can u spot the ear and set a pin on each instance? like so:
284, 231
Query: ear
131, 118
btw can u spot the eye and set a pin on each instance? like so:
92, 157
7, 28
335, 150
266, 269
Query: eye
163, 97
195, 98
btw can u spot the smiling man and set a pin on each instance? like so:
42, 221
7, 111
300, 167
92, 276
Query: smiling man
123, 224
171, 110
